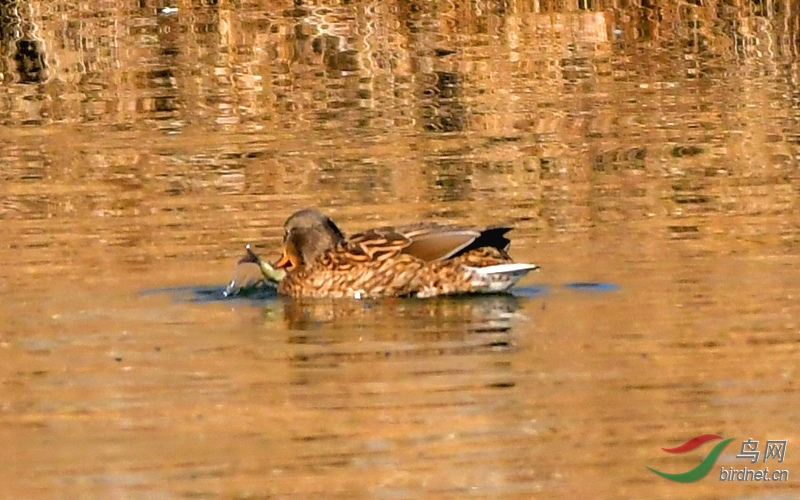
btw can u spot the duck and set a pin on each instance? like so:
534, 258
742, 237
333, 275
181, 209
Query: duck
416, 260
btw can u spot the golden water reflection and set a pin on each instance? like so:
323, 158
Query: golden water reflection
651, 147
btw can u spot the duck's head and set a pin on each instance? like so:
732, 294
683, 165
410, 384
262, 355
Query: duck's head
307, 234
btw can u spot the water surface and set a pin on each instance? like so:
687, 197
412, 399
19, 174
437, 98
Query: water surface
647, 157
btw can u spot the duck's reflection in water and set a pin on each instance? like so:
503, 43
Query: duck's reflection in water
405, 319
377, 385
389, 341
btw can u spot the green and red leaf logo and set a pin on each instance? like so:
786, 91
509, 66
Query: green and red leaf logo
702, 469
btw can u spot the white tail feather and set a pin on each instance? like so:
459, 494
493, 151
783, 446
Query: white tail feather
507, 269
501, 277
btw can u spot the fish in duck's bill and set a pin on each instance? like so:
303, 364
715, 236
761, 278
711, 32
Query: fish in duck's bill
244, 281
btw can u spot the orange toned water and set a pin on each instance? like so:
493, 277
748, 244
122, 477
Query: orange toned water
649, 150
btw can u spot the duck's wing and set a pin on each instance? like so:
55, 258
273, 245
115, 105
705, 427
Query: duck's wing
428, 242
433, 243
374, 244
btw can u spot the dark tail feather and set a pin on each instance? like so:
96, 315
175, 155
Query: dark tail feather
490, 237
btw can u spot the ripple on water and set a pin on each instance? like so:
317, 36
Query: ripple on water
589, 286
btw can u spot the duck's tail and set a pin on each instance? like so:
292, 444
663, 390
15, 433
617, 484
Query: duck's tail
500, 278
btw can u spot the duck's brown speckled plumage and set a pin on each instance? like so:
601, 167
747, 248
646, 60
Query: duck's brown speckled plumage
420, 260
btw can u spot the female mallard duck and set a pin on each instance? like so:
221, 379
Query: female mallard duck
419, 260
